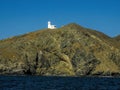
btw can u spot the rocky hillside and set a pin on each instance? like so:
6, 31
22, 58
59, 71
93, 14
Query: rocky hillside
68, 51
117, 38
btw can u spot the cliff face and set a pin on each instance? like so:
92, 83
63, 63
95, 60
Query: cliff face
68, 51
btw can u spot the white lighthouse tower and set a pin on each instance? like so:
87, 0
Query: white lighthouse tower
50, 26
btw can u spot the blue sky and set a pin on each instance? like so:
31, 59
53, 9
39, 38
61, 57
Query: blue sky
22, 16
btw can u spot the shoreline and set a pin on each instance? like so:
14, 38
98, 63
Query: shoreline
62, 76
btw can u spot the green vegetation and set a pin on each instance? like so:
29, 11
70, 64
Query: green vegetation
68, 51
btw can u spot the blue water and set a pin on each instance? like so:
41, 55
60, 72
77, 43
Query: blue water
58, 83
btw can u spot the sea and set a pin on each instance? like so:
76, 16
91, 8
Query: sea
58, 83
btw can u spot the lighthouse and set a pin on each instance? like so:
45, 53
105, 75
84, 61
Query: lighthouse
50, 26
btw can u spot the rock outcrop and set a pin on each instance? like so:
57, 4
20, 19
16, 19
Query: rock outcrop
68, 51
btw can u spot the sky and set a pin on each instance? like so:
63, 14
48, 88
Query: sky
18, 17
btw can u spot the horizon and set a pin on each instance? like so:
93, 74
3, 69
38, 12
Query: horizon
21, 17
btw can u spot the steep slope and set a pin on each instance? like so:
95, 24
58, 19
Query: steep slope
68, 51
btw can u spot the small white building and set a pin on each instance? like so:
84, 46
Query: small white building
50, 26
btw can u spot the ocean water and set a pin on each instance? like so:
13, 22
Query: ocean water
58, 83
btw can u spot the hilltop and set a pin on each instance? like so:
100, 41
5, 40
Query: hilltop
71, 50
